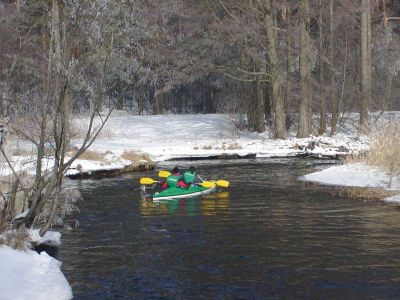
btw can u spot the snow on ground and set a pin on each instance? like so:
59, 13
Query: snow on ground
27, 164
393, 199
50, 238
167, 137
30, 276
357, 175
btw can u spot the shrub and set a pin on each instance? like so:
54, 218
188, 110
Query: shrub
135, 156
384, 150
92, 155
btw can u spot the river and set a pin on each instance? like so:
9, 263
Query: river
268, 236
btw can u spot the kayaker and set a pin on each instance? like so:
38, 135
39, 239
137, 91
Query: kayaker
174, 180
191, 177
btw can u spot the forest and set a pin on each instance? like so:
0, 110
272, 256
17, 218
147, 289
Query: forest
278, 62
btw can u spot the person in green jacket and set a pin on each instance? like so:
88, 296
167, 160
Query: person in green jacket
174, 180
190, 176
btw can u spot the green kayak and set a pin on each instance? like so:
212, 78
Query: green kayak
174, 192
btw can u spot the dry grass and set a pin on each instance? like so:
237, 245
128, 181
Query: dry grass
368, 194
93, 155
135, 157
384, 150
234, 146
209, 147
384, 154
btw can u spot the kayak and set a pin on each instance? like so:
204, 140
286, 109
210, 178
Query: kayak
176, 193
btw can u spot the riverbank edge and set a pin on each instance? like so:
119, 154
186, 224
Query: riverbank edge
113, 172
371, 182
101, 173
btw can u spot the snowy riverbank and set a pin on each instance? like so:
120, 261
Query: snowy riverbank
27, 275
357, 175
166, 137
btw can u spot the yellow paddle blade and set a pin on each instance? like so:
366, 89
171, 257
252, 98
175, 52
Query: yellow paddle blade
208, 184
163, 174
145, 180
223, 183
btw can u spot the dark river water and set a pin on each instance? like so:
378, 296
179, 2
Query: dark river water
268, 236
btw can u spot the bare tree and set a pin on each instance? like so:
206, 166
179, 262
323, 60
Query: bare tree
48, 115
365, 65
273, 67
304, 128
322, 102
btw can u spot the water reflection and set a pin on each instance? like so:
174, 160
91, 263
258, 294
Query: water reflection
208, 205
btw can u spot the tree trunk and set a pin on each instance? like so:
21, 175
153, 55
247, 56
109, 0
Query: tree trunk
274, 72
158, 105
334, 105
305, 72
365, 66
288, 86
1, 104
251, 98
385, 16
210, 101
260, 117
322, 105
250, 95
61, 118
120, 102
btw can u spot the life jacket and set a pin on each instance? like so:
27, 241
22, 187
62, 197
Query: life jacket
189, 177
172, 180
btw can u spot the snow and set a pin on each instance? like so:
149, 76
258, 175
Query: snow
30, 276
21, 215
27, 164
393, 199
357, 175
50, 238
166, 137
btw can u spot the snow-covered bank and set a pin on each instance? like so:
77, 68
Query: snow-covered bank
166, 137
357, 175
169, 137
30, 276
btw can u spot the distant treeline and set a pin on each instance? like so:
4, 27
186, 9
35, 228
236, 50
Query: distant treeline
276, 61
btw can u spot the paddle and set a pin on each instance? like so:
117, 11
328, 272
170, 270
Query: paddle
207, 184
146, 181
221, 183
164, 174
